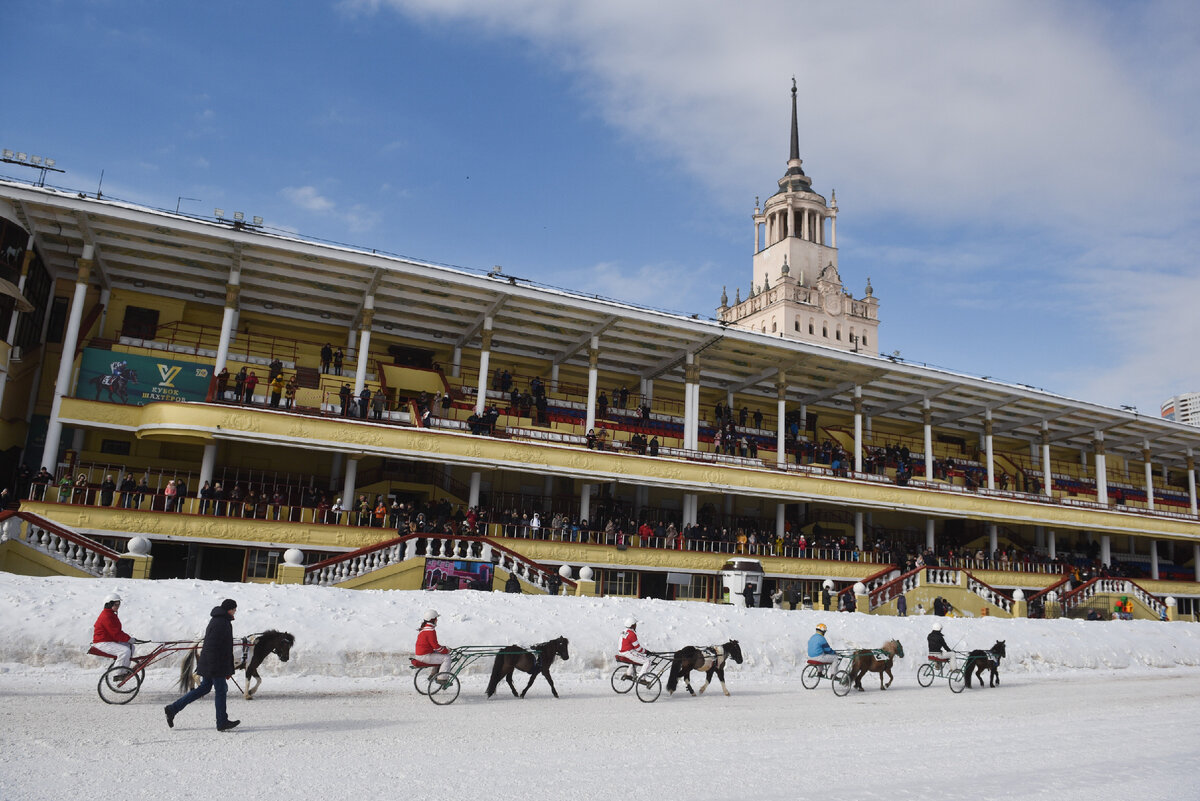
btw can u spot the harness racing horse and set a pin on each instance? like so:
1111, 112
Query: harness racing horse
978, 661
269, 642
710, 660
865, 661
534, 661
117, 385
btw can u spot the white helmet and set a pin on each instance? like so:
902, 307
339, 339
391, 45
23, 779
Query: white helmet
430, 614
112, 598
630, 622
937, 626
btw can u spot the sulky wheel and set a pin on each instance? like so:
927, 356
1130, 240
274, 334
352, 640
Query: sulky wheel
648, 689
957, 681
119, 685
421, 680
443, 688
621, 682
810, 677
841, 683
925, 675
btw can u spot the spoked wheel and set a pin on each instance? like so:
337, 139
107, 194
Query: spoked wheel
648, 689
443, 688
421, 680
925, 675
620, 681
957, 682
841, 683
810, 677
119, 685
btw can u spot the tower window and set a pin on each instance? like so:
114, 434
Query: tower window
825, 331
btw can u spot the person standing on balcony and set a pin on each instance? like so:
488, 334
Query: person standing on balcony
289, 393
222, 384
326, 357
239, 384
338, 358
107, 488
181, 490
251, 383
128, 488
345, 393
276, 390
169, 497
274, 369
378, 401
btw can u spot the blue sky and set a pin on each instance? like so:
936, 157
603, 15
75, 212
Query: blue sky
1017, 179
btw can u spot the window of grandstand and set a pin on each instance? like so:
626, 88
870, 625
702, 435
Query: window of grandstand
58, 320
261, 563
689, 587
117, 447
618, 582
139, 323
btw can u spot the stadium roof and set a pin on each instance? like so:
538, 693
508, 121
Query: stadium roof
174, 255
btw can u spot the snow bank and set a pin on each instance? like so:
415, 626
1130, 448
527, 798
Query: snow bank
47, 622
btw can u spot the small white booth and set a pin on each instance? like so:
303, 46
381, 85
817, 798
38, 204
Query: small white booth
738, 574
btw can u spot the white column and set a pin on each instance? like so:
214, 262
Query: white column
780, 519
858, 530
1047, 477
780, 423
485, 355
1105, 549
1196, 562
987, 444
1191, 479
554, 378
208, 463
360, 365
593, 378
691, 403
456, 364
858, 429
1052, 551
66, 362
348, 486
803, 418
1101, 470
473, 493
804, 224
1154, 560
1149, 472
929, 541
648, 389
993, 540
585, 503
833, 226
928, 426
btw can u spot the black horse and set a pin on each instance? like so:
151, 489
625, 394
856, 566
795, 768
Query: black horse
710, 659
260, 646
978, 661
534, 661
116, 384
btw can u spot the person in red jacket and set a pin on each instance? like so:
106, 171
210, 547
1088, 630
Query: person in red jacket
631, 651
429, 651
108, 636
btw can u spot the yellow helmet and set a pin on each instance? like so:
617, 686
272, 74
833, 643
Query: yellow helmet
821, 627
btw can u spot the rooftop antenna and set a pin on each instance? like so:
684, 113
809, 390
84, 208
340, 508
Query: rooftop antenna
98, 193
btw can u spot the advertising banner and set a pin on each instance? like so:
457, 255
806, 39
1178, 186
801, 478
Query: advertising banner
136, 380
457, 574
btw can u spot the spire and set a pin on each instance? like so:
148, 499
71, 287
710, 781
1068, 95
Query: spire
794, 153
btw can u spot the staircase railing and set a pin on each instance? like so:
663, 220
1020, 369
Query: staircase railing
59, 543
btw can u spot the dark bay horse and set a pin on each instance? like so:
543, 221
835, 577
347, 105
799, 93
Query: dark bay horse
117, 385
880, 662
979, 661
710, 659
260, 646
535, 661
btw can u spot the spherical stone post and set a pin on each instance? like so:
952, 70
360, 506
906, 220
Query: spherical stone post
862, 600
139, 554
585, 585
291, 570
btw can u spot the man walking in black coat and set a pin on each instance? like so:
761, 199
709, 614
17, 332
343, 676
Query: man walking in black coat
215, 666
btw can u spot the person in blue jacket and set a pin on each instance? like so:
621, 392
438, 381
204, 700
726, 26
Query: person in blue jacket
819, 649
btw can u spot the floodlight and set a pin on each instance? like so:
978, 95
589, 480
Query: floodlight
8, 154
258, 220
219, 213
50, 162
36, 160
20, 156
237, 215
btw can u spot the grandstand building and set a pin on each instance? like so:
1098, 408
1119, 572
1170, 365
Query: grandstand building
568, 431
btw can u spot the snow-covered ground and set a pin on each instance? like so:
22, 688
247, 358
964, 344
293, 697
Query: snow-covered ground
1103, 710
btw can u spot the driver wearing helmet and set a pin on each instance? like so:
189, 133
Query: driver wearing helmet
819, 649
429, 651
631, 651
937, 644
108, 636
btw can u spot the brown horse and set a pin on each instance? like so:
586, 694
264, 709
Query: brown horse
879, 661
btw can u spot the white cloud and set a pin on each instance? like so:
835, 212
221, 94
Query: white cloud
307, 198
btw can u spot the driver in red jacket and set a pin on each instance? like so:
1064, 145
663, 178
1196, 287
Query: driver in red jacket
631, 650
429, 651
107, 634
